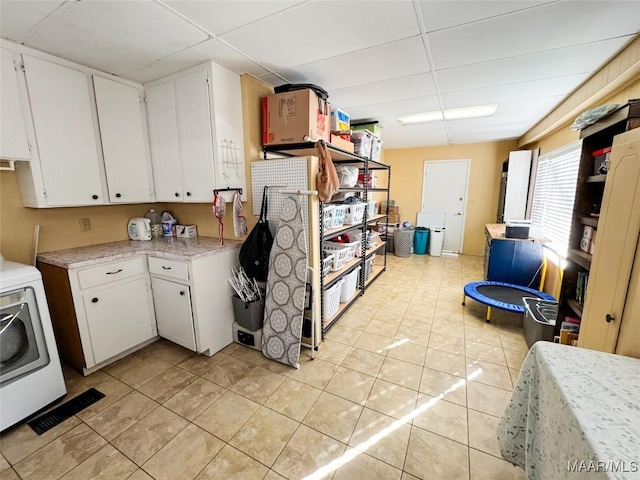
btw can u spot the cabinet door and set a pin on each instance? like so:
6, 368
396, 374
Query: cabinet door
173, 312
163, 142
119, 317
228, 129
64, 125
123, 145
13, 131
618, 231
194, 134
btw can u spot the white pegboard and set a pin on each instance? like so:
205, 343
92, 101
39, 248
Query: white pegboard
285, 174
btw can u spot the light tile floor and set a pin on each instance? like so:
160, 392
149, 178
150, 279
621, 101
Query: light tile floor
408, 384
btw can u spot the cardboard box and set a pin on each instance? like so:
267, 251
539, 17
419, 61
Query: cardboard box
392, 210
394, 218
587, 231
290, 116
592, 245
340, 120
341, 143
186, 231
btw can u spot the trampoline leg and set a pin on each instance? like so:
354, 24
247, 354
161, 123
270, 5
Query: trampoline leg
464, 299
488, 314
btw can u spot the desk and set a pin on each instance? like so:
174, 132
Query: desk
574, 405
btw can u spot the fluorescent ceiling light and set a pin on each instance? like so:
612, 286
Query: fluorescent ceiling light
477, 111
470, 112
421, 117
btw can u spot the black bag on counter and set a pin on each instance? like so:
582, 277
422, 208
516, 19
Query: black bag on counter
254, 253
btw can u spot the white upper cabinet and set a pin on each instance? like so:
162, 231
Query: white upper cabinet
13, 131
228, 138
61, 106
163, 142
195, 131
121, 123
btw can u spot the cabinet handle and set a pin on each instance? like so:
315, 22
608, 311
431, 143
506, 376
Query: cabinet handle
609, 318
188, 194
166, 268
94, 300
118, 195
95, 197
113, 273
181, 292
177, 194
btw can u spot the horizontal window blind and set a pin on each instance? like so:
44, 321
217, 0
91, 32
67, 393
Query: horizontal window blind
554, 193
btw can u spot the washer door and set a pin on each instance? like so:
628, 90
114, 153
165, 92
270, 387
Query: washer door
22, 345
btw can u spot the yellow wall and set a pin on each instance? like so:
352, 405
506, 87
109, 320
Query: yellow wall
60, 227
484, 180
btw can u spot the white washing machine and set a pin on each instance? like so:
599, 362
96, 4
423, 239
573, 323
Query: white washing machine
30, 371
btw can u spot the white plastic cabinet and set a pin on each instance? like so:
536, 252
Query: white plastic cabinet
195, 131
113, 307
122, 131
174, 315
193, 300
119, 317
13, 132
61, 107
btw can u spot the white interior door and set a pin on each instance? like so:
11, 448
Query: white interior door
444, 191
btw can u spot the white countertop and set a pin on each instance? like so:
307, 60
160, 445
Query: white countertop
166, 247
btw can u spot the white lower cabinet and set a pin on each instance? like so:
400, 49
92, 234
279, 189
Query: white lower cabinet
174, 315
119, 317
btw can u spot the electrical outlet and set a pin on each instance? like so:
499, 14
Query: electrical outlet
85, 225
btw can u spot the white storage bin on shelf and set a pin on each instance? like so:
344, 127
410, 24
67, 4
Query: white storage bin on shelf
327, 260
368, 266
333, 216
372, 239
331, 299
327, 215
372, 208
355, 213
350, 284
339, 252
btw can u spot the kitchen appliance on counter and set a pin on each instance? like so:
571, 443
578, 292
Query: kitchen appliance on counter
139, 229
30, 371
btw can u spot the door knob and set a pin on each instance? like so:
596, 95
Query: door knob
188, 194
181, 292
95, 197
458, 214
177, 194
94, 300
609, 318
118, 195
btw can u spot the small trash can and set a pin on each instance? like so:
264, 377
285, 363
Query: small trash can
403, 241
436, 241
248, 315
389, 240
420, 238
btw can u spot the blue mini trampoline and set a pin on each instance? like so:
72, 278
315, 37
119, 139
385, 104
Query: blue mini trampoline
505, 296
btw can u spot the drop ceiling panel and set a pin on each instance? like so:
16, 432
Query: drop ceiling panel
486, 137
515, 91
394, 109
555, 25
414, 135
414, 86
116, 37
274, 80
550, 63
222, 16
396, 59
441, 14
478, 126
306, 33
17, 17
212, 49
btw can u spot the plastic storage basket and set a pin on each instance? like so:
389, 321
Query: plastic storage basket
350, 284
353, 248
368, 266
355, 213
340, 254
331, 299
327, 260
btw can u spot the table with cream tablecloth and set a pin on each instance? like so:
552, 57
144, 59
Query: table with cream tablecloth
574, 413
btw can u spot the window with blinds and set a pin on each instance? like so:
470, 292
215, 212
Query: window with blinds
554, 193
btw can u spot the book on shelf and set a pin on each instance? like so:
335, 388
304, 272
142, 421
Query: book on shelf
581, 287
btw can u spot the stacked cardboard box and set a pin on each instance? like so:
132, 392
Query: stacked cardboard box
588, 241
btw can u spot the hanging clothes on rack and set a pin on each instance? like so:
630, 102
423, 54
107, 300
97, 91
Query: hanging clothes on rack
286, 285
